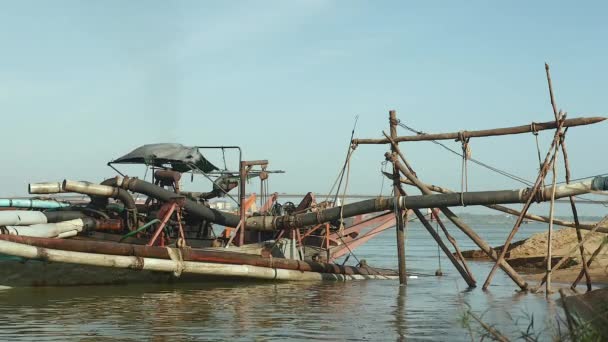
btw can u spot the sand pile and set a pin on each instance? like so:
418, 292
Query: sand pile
563, 241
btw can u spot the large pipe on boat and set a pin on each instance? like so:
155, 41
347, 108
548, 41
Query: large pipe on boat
31, 203
200, 211
104, 191
61, 229
45, 230
424, 201
44, 188
27, 218
175, 265
585, 226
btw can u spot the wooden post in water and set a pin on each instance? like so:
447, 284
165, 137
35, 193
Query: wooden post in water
392, 118
550, 233
466, 275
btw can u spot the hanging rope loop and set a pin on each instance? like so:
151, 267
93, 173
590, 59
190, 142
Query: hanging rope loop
466, 155
533, 128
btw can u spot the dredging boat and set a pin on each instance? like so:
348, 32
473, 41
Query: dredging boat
127, 229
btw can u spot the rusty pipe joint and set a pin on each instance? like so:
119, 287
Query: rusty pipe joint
45, 188
261, 223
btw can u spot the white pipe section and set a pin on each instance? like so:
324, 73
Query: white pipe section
88, 188
173, 266
45, 188
67, 234
572, 189
21, 218
47, 230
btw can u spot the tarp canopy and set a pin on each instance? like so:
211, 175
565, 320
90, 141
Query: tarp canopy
181, 158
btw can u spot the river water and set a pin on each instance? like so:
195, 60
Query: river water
428, 308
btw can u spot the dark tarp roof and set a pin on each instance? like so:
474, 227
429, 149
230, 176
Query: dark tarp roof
179, 156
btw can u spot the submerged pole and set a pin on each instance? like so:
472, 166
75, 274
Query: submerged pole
550, 233
400, 228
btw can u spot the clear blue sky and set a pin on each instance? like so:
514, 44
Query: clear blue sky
84, 82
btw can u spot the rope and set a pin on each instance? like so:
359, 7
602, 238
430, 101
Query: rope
489, 167
464, 171
345, 188
382, 171
350, 147
535, 133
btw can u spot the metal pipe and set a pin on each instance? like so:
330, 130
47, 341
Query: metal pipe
21, 218
31, 203
89, 188
50, 230
47, 230
197, 210
419, 202
100, 192
45, 188
513, 211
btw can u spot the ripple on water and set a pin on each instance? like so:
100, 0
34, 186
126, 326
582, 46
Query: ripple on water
428, 308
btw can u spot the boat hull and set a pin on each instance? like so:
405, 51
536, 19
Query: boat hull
19, 272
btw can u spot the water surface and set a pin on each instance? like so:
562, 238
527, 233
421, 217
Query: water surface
429, 308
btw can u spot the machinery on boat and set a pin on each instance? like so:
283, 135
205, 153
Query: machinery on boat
132, 218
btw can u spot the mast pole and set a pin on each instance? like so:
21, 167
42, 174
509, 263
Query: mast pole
392, 119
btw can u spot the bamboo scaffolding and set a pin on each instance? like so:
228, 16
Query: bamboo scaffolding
541, 175
467, 230
579, 236
408, 172
464, 272
533, 127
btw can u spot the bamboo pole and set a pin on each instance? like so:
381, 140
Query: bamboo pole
174, 265
398, 211
541, 175
579, 236
550, 232
463, 226
541, 126
593, 256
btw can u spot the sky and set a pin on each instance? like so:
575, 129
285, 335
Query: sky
82, 83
